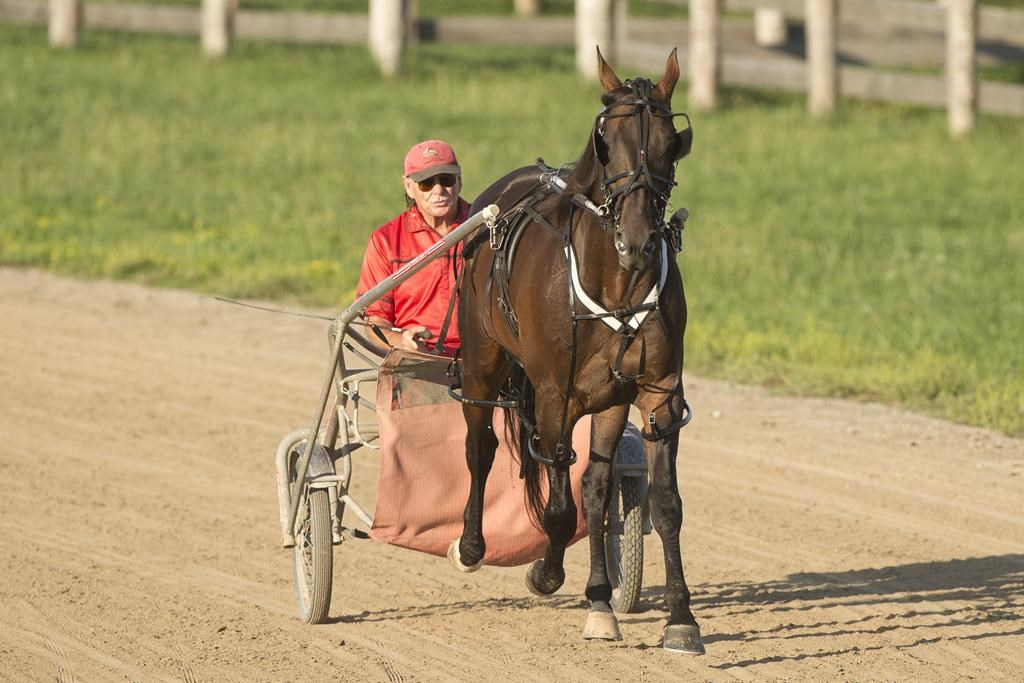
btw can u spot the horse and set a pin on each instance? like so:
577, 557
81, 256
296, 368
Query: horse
536, 335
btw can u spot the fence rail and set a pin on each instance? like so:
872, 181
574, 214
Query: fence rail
642, 43
995, 23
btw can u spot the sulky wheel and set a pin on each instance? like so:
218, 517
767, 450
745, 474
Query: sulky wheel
313, 557
624, 552
313, 550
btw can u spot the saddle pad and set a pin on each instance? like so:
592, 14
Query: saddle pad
424, 482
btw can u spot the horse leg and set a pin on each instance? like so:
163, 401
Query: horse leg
604, 439
547, 574
481, 380
682, 634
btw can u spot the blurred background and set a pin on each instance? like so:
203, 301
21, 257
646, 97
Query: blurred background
855, 186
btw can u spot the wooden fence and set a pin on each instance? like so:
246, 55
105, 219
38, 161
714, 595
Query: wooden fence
836, 59
960, 25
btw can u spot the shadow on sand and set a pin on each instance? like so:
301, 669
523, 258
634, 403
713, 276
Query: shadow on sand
459, 607
989, 590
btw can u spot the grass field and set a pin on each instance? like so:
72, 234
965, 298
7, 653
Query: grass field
867, 257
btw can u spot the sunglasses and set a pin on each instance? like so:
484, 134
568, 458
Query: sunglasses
442, 179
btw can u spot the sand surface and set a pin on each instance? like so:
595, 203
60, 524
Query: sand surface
823, 539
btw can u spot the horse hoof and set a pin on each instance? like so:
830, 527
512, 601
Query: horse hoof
531, 586
602, 626
684, 638
456, 559
536, 587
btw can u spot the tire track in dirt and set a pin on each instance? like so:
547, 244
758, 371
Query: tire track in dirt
234, 590
877, 483
779, 490
64, 672
59, 636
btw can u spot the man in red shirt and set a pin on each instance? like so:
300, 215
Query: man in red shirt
415, 310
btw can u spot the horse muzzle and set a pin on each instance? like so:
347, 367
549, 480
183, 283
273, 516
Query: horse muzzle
635, 257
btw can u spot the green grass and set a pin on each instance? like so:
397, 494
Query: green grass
867, 257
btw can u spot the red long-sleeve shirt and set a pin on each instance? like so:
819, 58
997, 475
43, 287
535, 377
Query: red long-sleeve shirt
423, 298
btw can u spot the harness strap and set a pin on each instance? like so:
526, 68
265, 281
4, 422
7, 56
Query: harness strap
560, 459
540, 220
657, 433
628, 334
619, 314
624, 343
500, 271
562, 436
443, 334
504, 246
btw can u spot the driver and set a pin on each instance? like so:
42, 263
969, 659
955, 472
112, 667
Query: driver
410, 316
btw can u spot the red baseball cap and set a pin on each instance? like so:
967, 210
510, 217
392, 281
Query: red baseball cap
429, 158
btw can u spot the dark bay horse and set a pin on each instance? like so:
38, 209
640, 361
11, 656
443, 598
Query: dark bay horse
576, 307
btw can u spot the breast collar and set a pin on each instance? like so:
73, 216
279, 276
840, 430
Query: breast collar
615, 320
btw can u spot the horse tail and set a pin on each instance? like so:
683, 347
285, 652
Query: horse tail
519, 439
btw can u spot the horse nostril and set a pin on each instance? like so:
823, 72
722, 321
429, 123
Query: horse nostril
649, 248
621, 247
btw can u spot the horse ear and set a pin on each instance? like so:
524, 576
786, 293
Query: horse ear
668, 81
608, 78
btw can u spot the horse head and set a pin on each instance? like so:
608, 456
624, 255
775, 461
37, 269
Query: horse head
634, 150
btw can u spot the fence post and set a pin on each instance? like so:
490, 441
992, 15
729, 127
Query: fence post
594, 27
705, 52
961, 74
769, 26
410, 23
65, 22
387, 28
527, 8
822, 69
620, 27
216, 26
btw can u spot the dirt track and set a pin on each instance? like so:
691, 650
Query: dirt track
138, 524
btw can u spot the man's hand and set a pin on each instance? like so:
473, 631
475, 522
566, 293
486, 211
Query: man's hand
411, 338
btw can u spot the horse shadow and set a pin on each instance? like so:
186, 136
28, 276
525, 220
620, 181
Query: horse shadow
990, 589
868, 602
457, 607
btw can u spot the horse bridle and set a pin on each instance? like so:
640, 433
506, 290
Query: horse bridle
641, 177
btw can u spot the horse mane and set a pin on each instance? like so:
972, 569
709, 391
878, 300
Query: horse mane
586, 170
